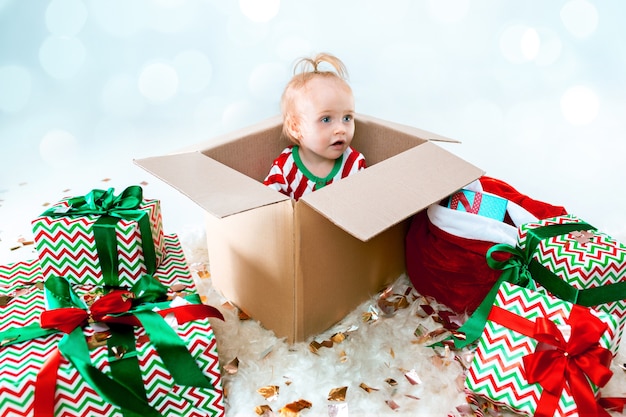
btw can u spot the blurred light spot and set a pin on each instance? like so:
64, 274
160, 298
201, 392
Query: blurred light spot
158, 82
120, 17
15, 88
120, 97
530, 44
267, 81
170, 3
549, 48
580, 105
239, 114
65, 17
207, 115
525, 124
172, 16
579, 17
259, 10
62, 56
448, 11
246, 33
484, 116
292, 47
512, 43
58, 148
194, 71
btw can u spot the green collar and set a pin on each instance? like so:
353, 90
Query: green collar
319, 182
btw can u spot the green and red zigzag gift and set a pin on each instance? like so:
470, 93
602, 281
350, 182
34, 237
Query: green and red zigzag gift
143, 348
101, 238
589, 265
542, 356
564, 257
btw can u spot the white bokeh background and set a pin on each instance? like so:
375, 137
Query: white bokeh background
534, 89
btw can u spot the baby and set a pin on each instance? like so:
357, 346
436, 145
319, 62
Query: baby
318, 117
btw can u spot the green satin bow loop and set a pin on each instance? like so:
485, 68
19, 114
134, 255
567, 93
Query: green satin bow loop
522, 269
111, 209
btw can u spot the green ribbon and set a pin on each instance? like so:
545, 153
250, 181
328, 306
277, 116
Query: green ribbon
522, 269
111, 209
122, 389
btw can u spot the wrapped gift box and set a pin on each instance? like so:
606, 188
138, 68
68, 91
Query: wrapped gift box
483, 204
23, 361
97, 239
502, 367
583, 258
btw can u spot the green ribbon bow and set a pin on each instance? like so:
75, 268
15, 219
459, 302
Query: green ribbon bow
111, 209
522, 269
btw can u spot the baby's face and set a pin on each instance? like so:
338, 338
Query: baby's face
326, 117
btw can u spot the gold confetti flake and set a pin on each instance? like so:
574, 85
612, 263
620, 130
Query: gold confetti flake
264, 411
391, 382
367, 388
269, 392
337, 394
232, 367
143, 183
106, 179
294, 408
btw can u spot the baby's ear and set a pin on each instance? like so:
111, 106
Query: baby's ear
292, 127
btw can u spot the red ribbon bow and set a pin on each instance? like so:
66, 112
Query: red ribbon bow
68, 319
557, 362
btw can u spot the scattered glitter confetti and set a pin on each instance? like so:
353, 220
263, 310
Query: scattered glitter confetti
143, 183
412, 377
106, 179
269, 392
392, 404
367, 388
338, 394
391, 382
264, 411
338, 410
232, 367
243, 316
294, 408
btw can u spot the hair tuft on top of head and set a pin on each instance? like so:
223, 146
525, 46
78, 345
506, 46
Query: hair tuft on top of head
321, 63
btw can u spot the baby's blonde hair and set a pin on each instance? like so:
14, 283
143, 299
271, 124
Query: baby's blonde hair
305, 69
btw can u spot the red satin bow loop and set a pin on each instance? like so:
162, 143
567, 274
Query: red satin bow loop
69, 318
557, 362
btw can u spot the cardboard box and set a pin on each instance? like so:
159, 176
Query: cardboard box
300, 268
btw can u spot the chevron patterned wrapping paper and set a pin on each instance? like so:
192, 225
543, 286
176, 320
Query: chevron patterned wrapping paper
67, 246
497, 370
23, 302
586, 261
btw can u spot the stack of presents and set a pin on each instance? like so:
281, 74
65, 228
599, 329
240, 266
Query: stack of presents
546, 292
107, 321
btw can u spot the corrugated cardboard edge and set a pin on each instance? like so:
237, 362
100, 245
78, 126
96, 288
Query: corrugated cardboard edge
218, 189
377, 198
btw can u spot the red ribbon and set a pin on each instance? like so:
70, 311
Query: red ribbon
67, 319
557, 363
102, 310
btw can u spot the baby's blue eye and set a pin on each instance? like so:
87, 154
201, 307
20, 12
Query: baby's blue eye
347, 118
326, 119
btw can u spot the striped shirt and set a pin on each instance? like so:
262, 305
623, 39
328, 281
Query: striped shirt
289, 175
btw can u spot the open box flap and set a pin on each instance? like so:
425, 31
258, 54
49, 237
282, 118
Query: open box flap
212, 185
372, 200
